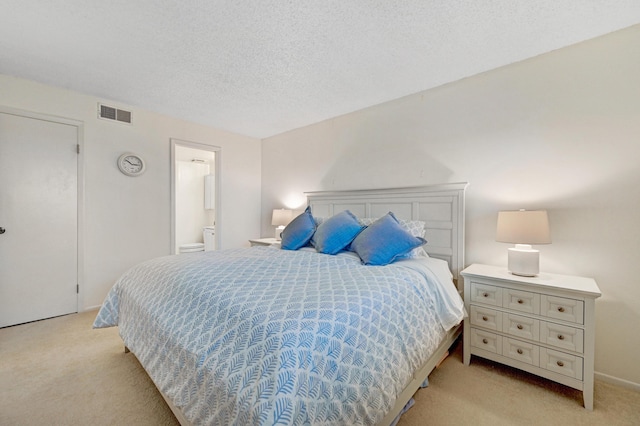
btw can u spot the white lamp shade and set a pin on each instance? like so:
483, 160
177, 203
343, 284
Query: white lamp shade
523, 227
281, 217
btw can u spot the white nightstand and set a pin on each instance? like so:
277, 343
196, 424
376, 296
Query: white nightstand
544, 325
263, 241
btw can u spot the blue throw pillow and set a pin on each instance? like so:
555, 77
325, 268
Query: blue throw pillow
335, 233
299, 231
383, 241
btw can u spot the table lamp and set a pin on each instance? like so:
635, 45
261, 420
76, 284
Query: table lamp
523, 228
281, 218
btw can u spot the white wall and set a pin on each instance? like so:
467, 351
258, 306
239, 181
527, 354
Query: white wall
558, 132
127, 220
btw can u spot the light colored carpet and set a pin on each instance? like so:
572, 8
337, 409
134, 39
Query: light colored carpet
62, 372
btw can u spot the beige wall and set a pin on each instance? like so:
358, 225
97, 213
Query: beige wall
559, 132
128, 220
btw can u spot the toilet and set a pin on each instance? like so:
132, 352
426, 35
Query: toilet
191, 248
209, 237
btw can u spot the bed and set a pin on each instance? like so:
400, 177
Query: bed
263, 335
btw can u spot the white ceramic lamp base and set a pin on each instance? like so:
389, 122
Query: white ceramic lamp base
279, 230
523, 260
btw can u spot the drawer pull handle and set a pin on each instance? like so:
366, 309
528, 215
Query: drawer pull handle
560, 337
485, 294
560, 364
520, 301
519, 326
484, 318
485, 341
560, 309
519, 351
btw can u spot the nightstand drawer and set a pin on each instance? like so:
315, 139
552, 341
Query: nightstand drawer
561, 363
562, 337
522, 327
561, 308
486, 340
486, 318
521, 301
487, 294
521, 351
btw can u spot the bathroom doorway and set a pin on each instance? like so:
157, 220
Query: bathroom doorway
195, 196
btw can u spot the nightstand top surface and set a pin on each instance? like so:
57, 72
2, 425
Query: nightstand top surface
264, 241
587, 286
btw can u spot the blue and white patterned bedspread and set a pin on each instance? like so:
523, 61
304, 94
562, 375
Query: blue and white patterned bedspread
261, 336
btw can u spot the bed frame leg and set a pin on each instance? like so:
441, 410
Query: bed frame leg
126, 350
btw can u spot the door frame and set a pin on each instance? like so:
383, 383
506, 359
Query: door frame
218, 162
79, 125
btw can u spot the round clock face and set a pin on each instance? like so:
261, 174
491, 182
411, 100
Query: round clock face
131, 164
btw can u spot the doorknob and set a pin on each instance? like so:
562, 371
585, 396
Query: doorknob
2, 230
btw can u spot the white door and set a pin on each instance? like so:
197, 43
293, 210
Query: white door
38, 217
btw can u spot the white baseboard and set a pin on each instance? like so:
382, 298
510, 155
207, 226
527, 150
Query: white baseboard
617, 381
91, 308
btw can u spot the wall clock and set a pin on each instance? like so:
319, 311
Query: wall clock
131, 164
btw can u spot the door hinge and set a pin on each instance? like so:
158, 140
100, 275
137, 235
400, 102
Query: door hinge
77, 288
78, 148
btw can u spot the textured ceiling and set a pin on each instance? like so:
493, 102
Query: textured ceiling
263, 67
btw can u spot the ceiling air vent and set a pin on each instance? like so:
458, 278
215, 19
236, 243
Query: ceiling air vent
111, 113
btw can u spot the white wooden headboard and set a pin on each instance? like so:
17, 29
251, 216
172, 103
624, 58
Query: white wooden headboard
441, 207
